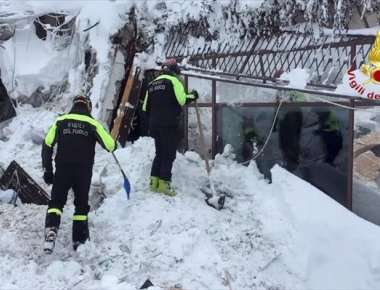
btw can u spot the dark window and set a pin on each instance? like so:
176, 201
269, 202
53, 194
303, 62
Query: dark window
310, 141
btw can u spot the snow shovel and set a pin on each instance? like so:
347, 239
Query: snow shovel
212, 199
127, 185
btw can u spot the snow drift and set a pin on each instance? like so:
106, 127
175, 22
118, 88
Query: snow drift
269, 236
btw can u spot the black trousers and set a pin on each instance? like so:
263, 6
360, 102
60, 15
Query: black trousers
78, 177
290, 134
333, 141
166, 142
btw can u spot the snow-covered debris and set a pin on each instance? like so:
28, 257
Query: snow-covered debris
6, 195
52, 65
268, 236
287, 235
297, 78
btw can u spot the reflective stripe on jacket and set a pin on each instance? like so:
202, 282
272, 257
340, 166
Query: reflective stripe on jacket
76, 136
164, 99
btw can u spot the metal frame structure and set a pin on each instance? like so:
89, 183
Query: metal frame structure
259, 61
265, 58
215, 106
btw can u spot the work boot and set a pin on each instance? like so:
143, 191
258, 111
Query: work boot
50, 237
52, 222
80, 232
165, 188
53, 218
153, 184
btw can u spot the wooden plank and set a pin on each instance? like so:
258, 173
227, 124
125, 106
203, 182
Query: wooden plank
123, 104
130, 109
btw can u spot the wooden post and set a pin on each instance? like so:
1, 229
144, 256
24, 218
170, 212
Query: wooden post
351, 128
123, 104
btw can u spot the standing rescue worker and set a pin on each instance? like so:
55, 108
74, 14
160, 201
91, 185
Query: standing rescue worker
75, 134
163, 102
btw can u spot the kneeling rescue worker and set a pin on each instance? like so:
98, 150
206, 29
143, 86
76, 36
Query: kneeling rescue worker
75, 134
163, 102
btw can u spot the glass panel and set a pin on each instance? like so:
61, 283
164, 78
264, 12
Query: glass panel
203, 87
366, 181
298, 96
234, 93
310, 141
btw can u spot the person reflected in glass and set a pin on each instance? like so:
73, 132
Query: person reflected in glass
290, 127
330, 133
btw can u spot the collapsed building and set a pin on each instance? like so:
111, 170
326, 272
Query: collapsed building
284, 119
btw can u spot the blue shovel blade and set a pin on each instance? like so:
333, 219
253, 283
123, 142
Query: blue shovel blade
127, 186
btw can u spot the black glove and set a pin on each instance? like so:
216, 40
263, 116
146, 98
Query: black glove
48, 177
195, 94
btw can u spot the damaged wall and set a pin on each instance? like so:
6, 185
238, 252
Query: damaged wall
38, 71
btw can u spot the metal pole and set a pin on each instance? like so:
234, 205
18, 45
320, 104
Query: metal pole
186, 117
351, 121
214, 119
353, 56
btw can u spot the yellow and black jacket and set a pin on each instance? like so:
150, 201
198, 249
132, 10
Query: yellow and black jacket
76, 135
164, 100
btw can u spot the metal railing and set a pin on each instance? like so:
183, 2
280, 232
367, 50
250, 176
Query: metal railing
266, 57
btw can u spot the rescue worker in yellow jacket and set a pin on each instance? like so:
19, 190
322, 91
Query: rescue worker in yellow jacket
163, 102
75, 134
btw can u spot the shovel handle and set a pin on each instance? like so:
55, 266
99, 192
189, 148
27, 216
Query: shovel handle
118, 163
202, 138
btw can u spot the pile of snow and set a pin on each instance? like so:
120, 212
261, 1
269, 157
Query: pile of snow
6, 195
268, 236
297, 78
287, 235
29, 63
